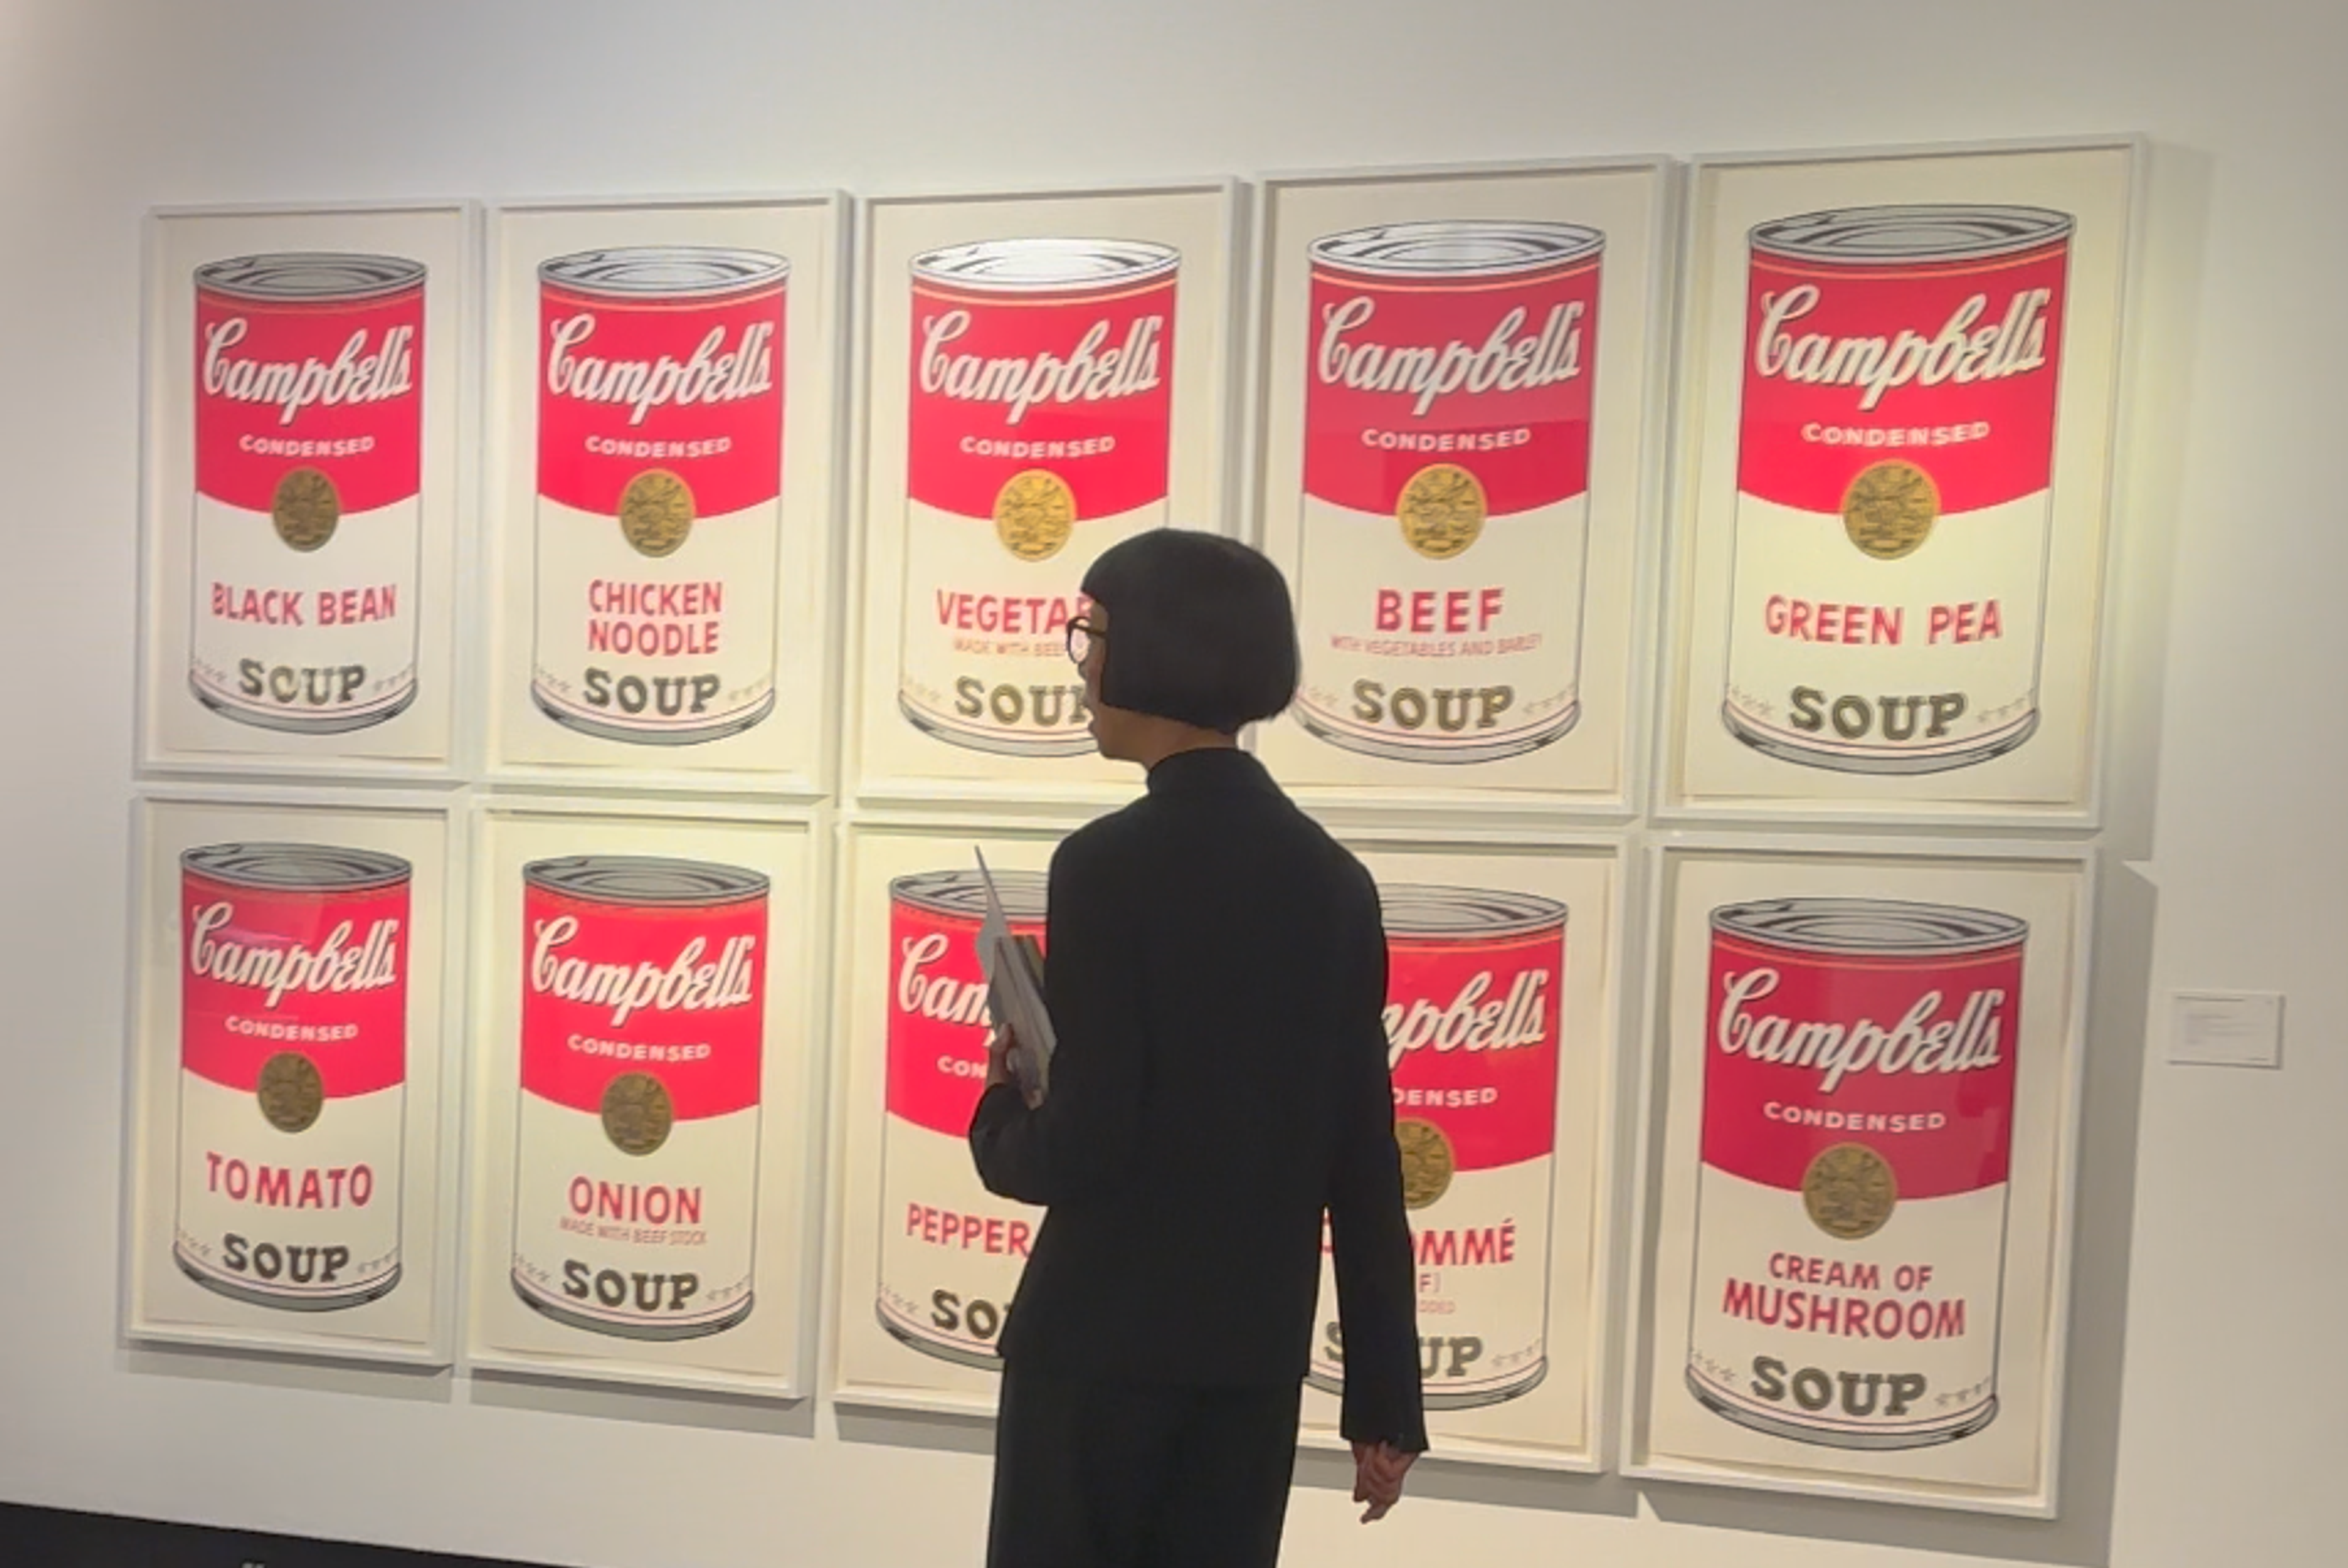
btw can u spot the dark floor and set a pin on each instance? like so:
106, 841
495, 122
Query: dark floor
53, 1538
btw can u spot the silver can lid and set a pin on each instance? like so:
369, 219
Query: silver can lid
316, 867
1458, 248
1869, 926
1945, 233
1029, 266
1413, 910
310, 277
962, 894
645, 880
665, 271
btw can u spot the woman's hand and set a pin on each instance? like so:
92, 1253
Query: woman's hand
1378, 1470
1004, 1065
999, 1047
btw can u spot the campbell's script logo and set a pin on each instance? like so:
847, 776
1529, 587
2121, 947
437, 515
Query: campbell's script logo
685, 984
352, 376
1092, 373
711, 374
1468, 1022
336, 964
1961, 350
1509, 359
1921, 1042
933, 995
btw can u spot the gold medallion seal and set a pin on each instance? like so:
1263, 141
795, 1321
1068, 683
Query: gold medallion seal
291, 1092
1428, 1162
656, 512
1849, 1191
637, 1115
1442, 510
306, 509
1889, 508
1035, 512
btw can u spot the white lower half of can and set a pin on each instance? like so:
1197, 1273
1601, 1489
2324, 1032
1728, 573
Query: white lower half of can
657, 649
1943, 695
983, 659
606, 1241
1487, 677
950, 1251
1482, 1267
274, 1217
1823, 1371
350, 661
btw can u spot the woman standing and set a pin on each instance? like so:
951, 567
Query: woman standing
1216, 972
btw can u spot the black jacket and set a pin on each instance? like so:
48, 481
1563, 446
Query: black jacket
1216, 969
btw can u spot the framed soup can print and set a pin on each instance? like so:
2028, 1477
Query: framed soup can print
1046, 375
1902, 389
1454, 442
644, 1188
1863, 1104
306, 383
666, 390
291, 1185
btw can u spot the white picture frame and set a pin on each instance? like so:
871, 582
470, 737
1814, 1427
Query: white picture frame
1939, 1443
1590, 237
762, 1350
596, 718
1994, 635
341, 656
913, 1318
1182, 236
227, 1291
1560, 1420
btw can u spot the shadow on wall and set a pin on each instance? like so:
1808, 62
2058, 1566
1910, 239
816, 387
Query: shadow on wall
2159, 374
646, 1406
277, 1369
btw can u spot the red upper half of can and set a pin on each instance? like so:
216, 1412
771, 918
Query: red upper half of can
1490, 374
1912, 1055
677, 992
1950, 366
938, 1022
691, 385
1076, 381
321, 972
1472, 1026
332, 384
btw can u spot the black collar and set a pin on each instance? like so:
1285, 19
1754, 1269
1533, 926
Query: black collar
1207, 768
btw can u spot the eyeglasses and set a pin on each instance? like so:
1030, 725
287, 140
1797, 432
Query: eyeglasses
1081, 633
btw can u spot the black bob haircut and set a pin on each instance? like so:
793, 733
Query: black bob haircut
1199, 630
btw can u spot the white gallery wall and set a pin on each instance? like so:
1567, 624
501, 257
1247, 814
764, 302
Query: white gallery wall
2209, 1405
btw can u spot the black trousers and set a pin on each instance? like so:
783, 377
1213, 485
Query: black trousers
1091, 1474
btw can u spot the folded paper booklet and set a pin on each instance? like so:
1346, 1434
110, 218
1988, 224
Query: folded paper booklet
1013, 967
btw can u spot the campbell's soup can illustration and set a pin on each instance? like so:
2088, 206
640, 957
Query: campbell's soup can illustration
1474, 995
1040, 421
660, 474
1851, 1197
1445, 512
1894, 458
643, 1030
308, 526
950, 1251
293, 1073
